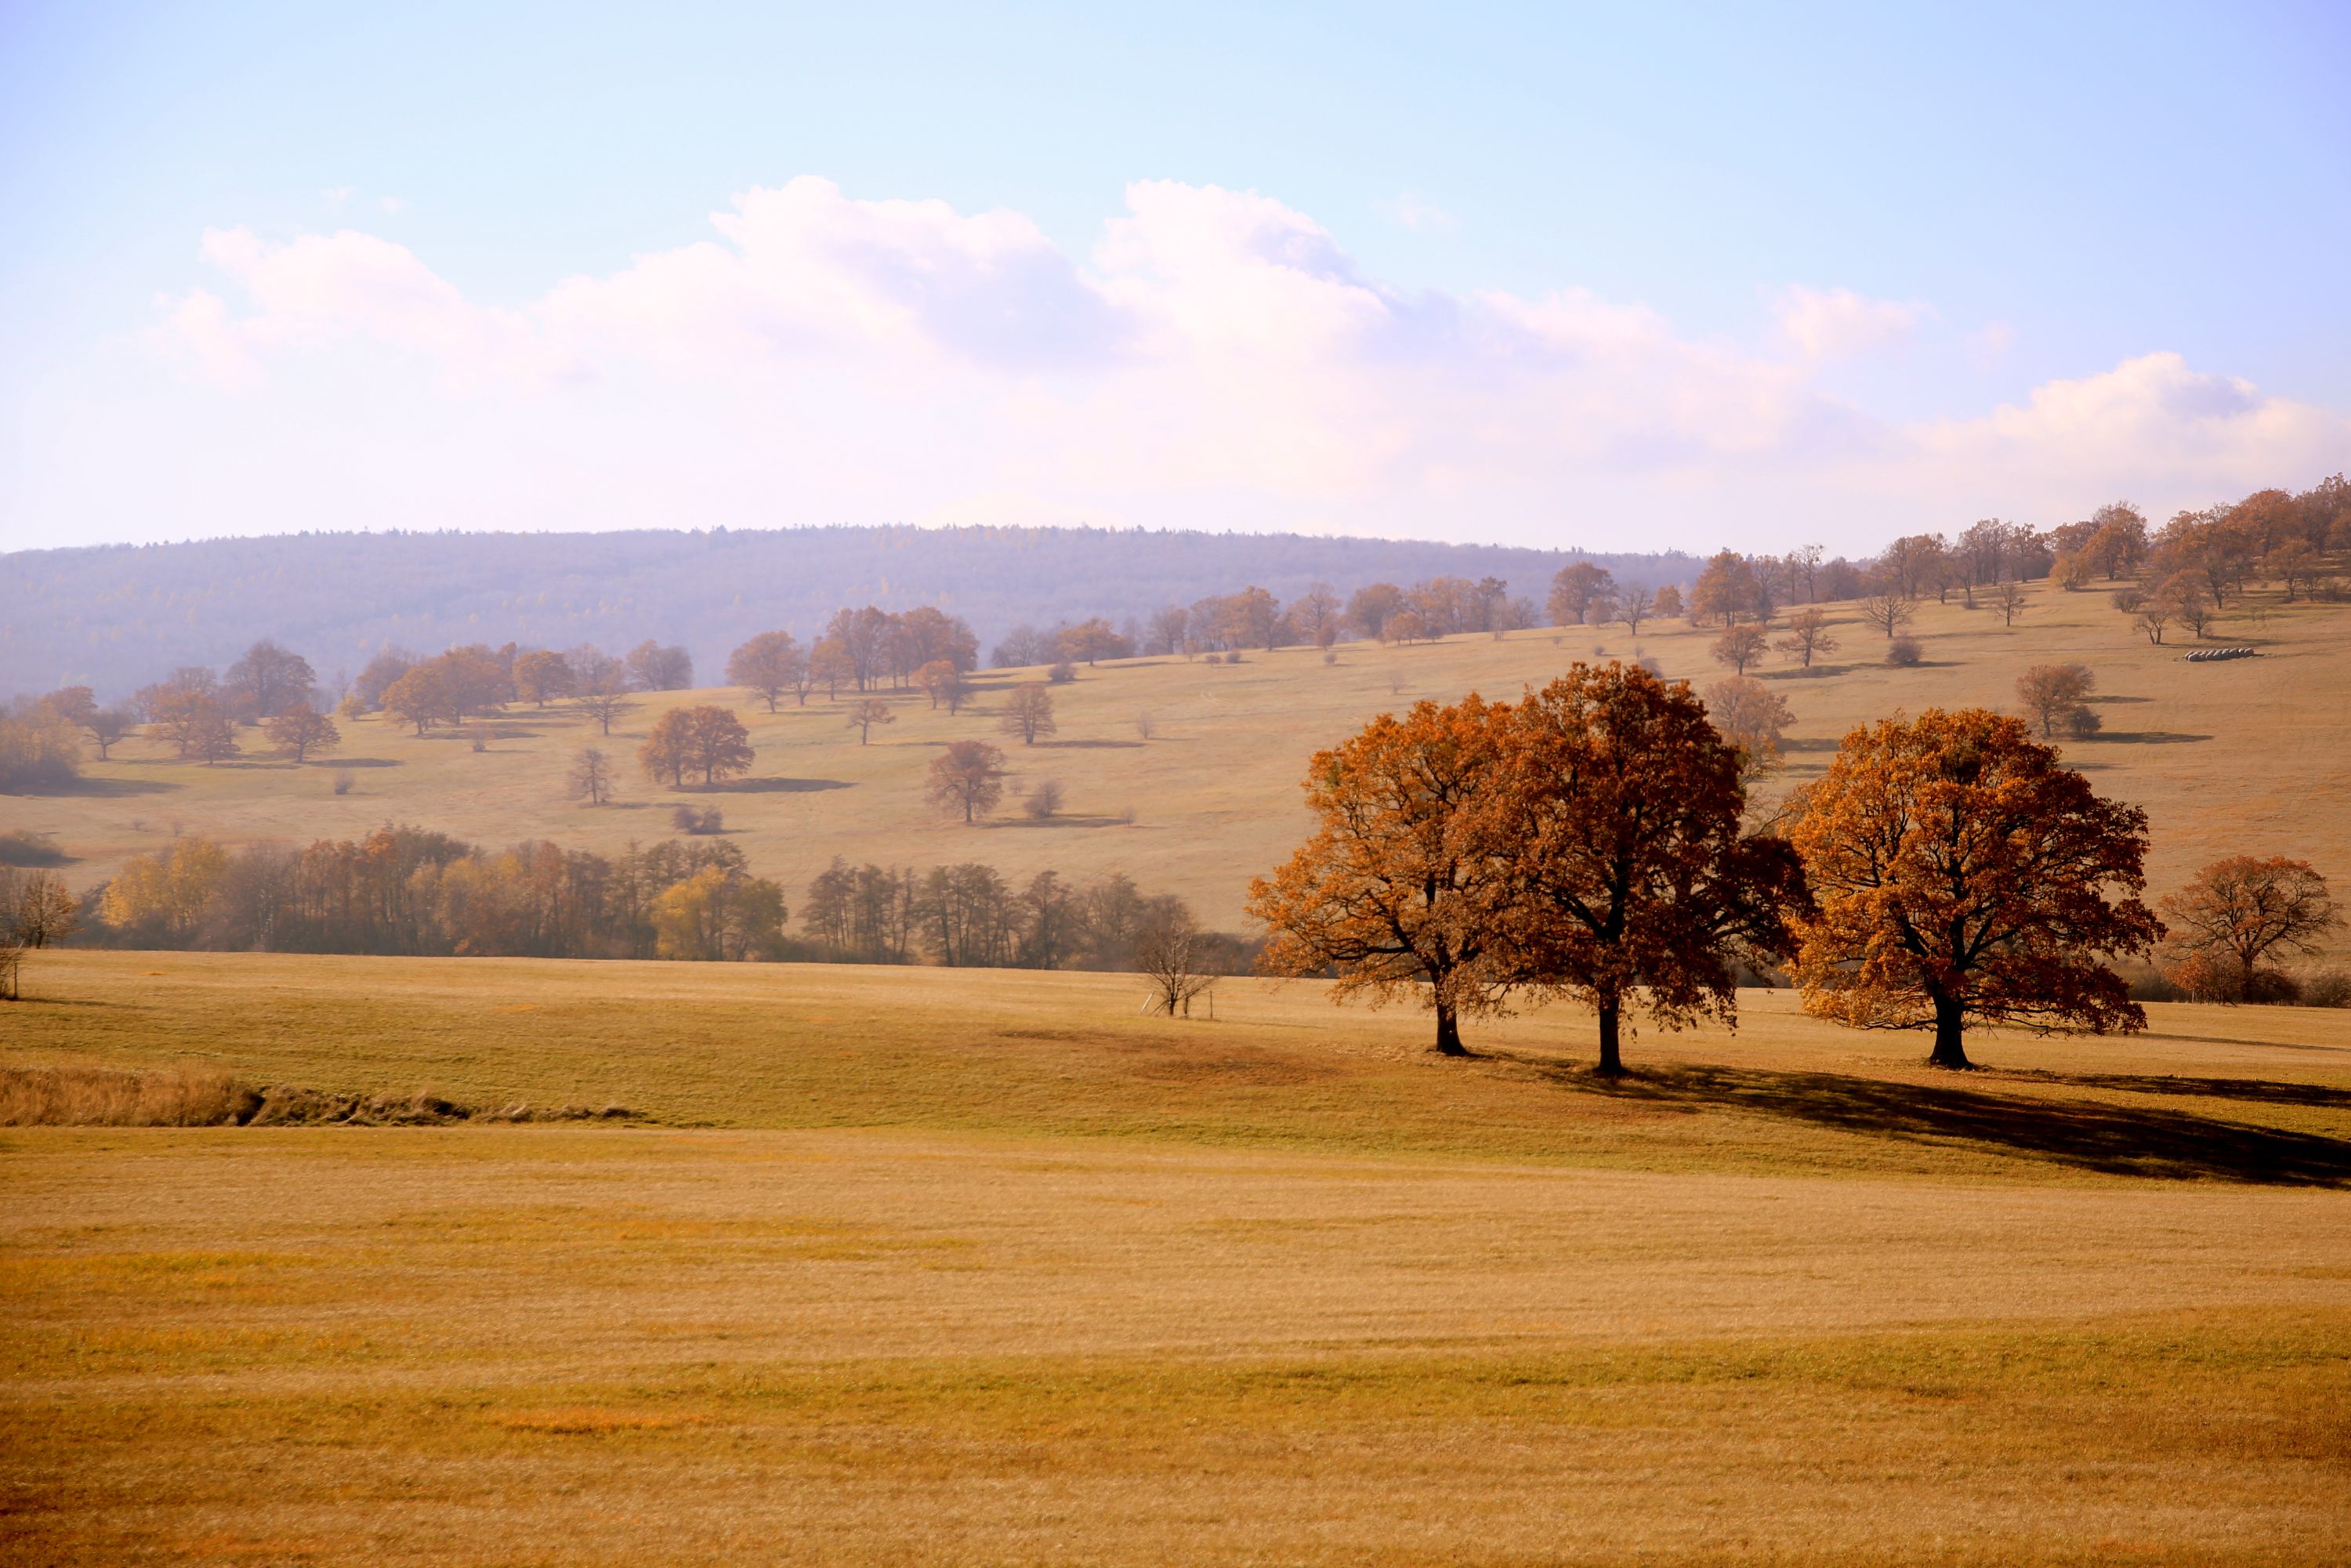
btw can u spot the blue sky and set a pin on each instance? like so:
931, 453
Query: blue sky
1530, 275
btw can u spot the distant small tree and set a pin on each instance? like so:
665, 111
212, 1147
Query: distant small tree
540, 677
75, 704
1029, 713
592, 776
1369, 609
656, 668
831, 666
420, 697
968, 775
107, 726
1634, 606
1741, 643
300, 730
1044, 800
1808, 636
1753, 719
2242, 910
37, 908
2050, 693
943, 685
867, 711
1144, 725
2191, 602
706, 739
1904, 652
1888, 612
769, 665
260, 685
1574, 589
1668, 603
2007, 597
1171, 950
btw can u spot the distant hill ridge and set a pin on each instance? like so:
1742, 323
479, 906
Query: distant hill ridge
116, 616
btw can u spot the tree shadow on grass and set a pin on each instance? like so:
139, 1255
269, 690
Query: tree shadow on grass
105, 788
776, 785
2257, 1090
2142, 738
2118, 1139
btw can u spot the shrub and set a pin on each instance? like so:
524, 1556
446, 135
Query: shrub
2082, 723
1903, 651
698, 820
1045, 800
2274, 987
20, 846
2327, 988
1062, 673
344, 779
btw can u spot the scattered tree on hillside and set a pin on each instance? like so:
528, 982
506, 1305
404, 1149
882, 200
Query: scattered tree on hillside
1169, 632
1314, 614
1964, 874
1392, 891
1668, 603
300, 729
1889, 612
1625, 878
1170, 949
75, 704
2238, 912
1029, 713
106, 727
705, 739
592, 776
1095, 639
1730, 592
2007, 597
540, 677
1808, 635
2051, 693
968, 775
1634, 606
831, 666
867, 711
1044, 800
656, 668
945, 684
1741, 643
602, 684
37, 908
420, 697
260, 685
1574, 589
1369, 609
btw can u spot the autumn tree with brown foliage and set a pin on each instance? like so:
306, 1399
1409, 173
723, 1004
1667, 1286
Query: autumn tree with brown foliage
1574, 589
1964, 874
968, 775
540, 677
769, 665
1808, 636
703, 738
2238, 912
1395, 891
2051, 692
1754, 719
1741, 643
1624, 879
299, 730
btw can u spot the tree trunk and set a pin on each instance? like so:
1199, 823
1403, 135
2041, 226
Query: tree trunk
1611, 1064
1448, 1031
1950, 1048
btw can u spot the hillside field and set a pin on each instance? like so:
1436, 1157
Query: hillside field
2253, 756
984, 1267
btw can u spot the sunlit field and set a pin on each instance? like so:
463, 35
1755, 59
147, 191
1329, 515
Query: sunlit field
988, 1266
2242, 757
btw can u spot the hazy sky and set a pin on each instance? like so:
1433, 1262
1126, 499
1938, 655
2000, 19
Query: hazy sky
1534, 274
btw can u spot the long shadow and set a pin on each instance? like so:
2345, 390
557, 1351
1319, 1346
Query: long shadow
779, 786
2256, 1089
2144, 737
2121, 1140
108, 789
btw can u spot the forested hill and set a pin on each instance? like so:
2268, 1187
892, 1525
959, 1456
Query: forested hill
117, 617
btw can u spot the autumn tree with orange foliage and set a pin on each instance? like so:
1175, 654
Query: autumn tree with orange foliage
1395, 889
1624, 877
1963, 873
704, 739
2240, 911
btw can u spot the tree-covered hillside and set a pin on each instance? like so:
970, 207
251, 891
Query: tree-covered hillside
116, 618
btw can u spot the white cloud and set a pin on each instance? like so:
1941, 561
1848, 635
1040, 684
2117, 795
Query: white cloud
1831, 323
1217, 358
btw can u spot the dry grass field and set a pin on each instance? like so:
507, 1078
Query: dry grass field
2244, 757
985, 1268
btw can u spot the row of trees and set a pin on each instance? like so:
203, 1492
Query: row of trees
409, 891
1592, 842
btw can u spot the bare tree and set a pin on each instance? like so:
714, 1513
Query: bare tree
1170, 950
592, 777
1028, 713
2051, 693
1143, 726
602, 684
2008, 598
1044, 800
867, 711
1888, 612
1634, 606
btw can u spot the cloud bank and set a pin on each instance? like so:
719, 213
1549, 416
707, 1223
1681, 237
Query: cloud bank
1215, 360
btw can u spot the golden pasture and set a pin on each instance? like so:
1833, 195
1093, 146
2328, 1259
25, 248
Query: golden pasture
988, 1268
2244, 757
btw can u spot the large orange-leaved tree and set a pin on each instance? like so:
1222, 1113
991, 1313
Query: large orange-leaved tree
1392, 894
1626, 879
1963, 873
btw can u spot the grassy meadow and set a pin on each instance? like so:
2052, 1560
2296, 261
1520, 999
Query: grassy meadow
990, 1268
2242, 758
